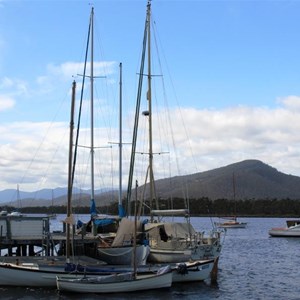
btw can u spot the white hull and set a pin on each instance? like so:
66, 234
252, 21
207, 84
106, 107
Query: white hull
100, 285
237, 225
284, 232
292, 230
200, 252
123, 255
167, 256
44, 275
194, 272
32, 276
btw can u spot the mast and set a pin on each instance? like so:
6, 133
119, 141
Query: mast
234, 199
121, 209
92, 111
70, 170
149, 98
136, 120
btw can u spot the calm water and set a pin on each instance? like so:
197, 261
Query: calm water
252, 266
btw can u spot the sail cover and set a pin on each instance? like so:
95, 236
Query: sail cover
125, 232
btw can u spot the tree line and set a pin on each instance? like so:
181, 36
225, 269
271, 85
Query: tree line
197, 207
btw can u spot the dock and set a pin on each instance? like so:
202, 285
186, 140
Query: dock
22, 235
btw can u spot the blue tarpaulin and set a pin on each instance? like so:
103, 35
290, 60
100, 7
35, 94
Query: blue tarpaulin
103, 222
93, 208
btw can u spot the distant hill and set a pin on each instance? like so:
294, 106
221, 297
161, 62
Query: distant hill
253, 180
58, 196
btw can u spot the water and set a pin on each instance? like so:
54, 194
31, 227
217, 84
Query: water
252, 266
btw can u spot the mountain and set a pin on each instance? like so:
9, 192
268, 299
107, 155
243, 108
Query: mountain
58, 196
253, 180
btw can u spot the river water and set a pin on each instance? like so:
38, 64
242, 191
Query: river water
252, 265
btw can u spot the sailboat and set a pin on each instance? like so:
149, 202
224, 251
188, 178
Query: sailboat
117, 283
232, 221
130, 281
119, 250
115, 232
170, 242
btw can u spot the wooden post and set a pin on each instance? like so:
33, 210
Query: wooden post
31, 250
24, 250
214, 271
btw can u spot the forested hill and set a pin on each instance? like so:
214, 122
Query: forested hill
253, 180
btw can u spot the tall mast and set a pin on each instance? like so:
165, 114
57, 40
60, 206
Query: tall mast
136, 120
121, 209
149, 98
92, 108
234, 199
70, 170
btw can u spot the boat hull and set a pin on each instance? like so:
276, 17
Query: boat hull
123, 255
13, 275
200, 252
34, 275
284, 232
191, 272
237, 225
142, 282
167, 256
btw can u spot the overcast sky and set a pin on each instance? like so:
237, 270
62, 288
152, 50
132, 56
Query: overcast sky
233, 91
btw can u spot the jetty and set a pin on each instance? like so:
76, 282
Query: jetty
22, 235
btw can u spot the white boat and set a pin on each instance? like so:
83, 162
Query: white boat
15, 214
33, 275
291, 230
170, 242
231, 222
43, 273
117, 249
181, 272
192, 271
115, 233
117, 283
173, 242
120, 252
3, 213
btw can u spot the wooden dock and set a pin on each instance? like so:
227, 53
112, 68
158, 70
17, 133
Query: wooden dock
22, 235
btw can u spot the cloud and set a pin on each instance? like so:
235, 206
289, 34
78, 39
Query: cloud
6, 102
213, 138
69, 69
35, 154
291, 102
14, 87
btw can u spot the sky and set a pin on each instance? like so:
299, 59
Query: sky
234, 76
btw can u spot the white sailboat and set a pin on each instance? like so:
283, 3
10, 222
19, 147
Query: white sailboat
170, 242
231, 222
117, 283
115, 246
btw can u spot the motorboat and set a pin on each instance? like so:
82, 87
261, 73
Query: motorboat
291, 230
